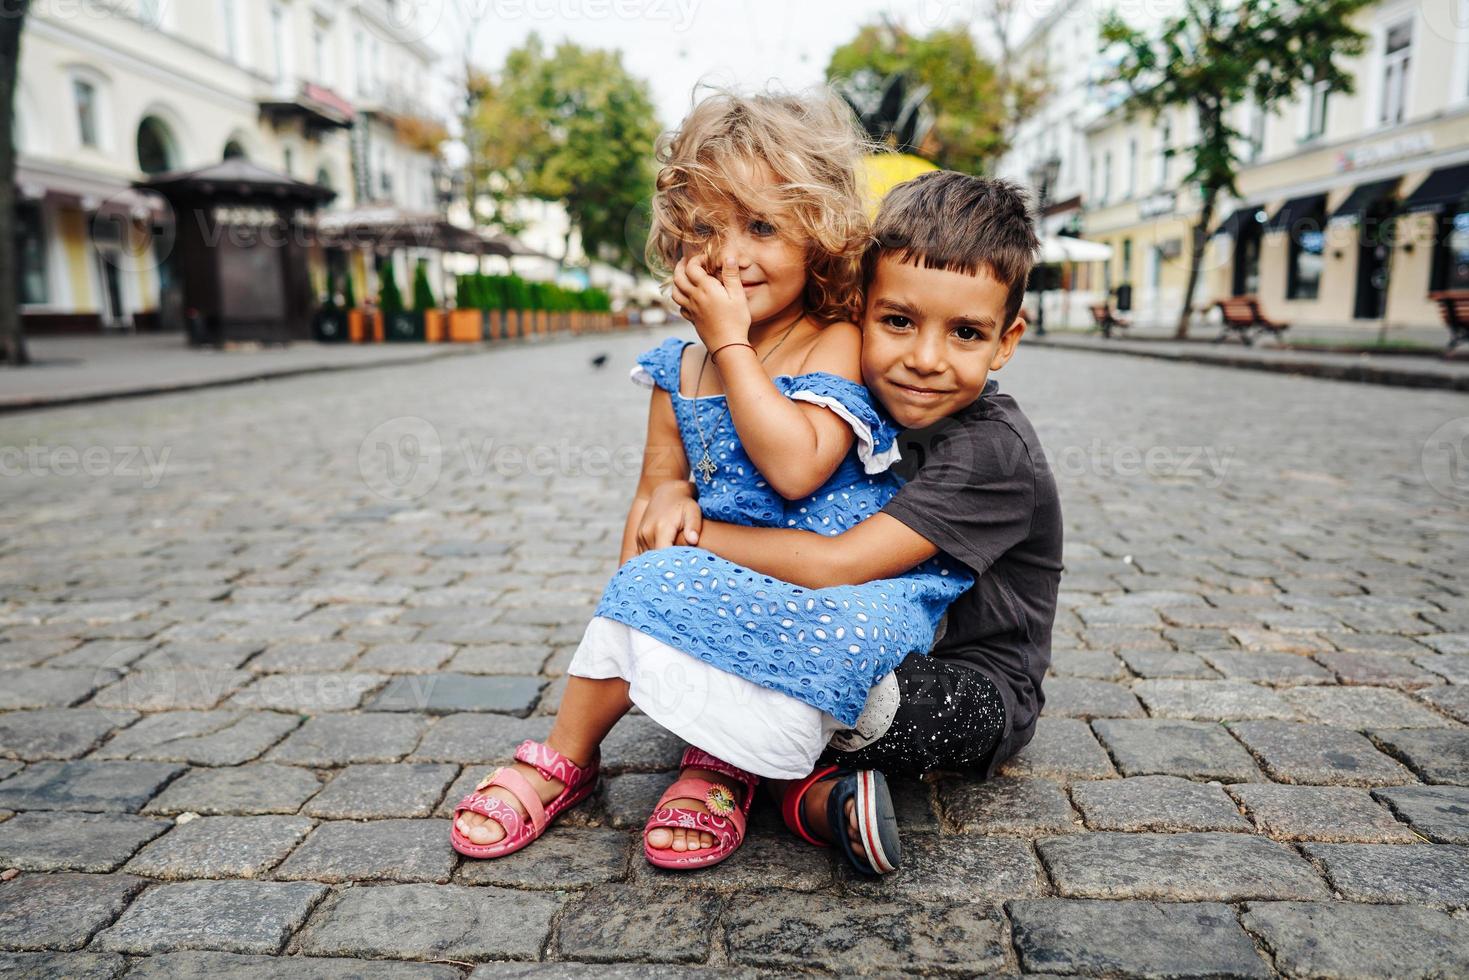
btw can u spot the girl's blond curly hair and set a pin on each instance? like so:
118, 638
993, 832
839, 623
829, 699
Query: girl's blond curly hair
812, 145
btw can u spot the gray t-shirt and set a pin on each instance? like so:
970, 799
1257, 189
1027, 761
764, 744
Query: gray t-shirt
979, 488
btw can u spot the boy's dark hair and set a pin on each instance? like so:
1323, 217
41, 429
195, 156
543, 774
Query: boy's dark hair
958, 223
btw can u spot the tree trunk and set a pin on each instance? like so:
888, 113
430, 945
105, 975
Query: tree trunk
1196, 259
12, 342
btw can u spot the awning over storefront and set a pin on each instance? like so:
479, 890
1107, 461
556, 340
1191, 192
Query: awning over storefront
1363, 199
389, 228
1296, 209
1239, 219
1442, 188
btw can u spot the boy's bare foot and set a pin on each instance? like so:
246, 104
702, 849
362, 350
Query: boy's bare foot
813, 812
680, 839
481, 829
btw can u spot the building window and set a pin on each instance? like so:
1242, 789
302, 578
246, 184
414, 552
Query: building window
1318, 95
1161, 175
150, 12
1091, 176
155, 147
1397, 57
359, 62
229, 29
1106, 176
30, 253
289, 158
86, 99
234, 151
1255, 133
1307, 254
1131, 168
1127, 260
1451, 252
278, 39
319, 58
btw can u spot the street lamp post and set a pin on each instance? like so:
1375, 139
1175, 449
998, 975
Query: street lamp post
1043, 178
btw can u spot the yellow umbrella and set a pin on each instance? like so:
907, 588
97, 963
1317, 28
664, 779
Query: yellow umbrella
884, 171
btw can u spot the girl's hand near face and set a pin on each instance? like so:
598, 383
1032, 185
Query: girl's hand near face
716, 305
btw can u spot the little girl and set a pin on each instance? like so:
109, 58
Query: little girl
758, 213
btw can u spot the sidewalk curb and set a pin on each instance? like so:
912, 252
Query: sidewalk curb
42, 402
1393, 376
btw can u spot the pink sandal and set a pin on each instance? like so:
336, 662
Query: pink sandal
578, 784
725, 820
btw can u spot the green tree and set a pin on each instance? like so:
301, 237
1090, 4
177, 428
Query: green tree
12, 341
964, 90
573, 126
423, 293
1213, 59
390, 299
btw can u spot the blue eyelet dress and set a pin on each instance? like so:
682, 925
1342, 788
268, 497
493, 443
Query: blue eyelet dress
756, 671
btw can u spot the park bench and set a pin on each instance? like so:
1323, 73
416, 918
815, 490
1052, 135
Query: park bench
1454, 305
1242, 314
1105, 319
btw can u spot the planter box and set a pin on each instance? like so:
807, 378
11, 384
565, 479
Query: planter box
357, 326
466, 326
329, 326
435, 326
404, 326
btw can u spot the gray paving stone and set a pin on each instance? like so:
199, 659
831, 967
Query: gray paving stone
1267, 668
306, 658
1063, 748
1438, 755
1362, 708
478, 739
60, 911
639, 744
1192, 749
550, 700
1448, 643
631, 797
339, 739
94, 842
1275, 641
1156, 803
1142, 939
209, 965
571, 857
431, 922
307, 693
84, 785
28, 653
45, 687
406, 658
220, 847
57, 733
1453, 667
612, 922
1440, 813
375, 850
893, 936
382, 790
209, 656
1007, 806
1095, 664
243, 917
1211, 700
610, 971
205, 738
1320, 813
1427, 874
954, 869
1452, 700
1377, 669
501, 658
1168, 663
9, 768
444, 693
259, 788
1293, 752
73, 966
1177, 867
1338, 939
1070, 697
171, 690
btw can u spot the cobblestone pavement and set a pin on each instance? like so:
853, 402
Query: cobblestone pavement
257, 641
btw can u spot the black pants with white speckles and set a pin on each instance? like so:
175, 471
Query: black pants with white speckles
947, 716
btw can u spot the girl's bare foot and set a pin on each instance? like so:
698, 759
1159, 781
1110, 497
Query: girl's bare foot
481, 829
679, 839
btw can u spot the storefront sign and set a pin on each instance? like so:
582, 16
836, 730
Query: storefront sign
1357, 157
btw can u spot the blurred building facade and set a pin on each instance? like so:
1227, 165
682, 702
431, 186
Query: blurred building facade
111, 93
1352, 207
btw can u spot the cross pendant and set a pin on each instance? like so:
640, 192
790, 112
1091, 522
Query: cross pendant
707, 467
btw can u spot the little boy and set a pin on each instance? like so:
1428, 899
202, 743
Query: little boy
945, 278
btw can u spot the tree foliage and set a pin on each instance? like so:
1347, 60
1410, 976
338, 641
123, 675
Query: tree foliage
964, 89
573, 126
1215, 57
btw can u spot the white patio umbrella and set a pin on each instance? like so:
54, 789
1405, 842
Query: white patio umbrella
1063, 248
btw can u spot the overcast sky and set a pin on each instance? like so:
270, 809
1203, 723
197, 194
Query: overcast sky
676, 43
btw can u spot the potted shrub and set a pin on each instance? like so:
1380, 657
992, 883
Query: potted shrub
356, 317
426, 305
399, 324
329, 325
517, 303
466, 320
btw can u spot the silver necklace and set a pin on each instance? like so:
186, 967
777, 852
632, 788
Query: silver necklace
706, 465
